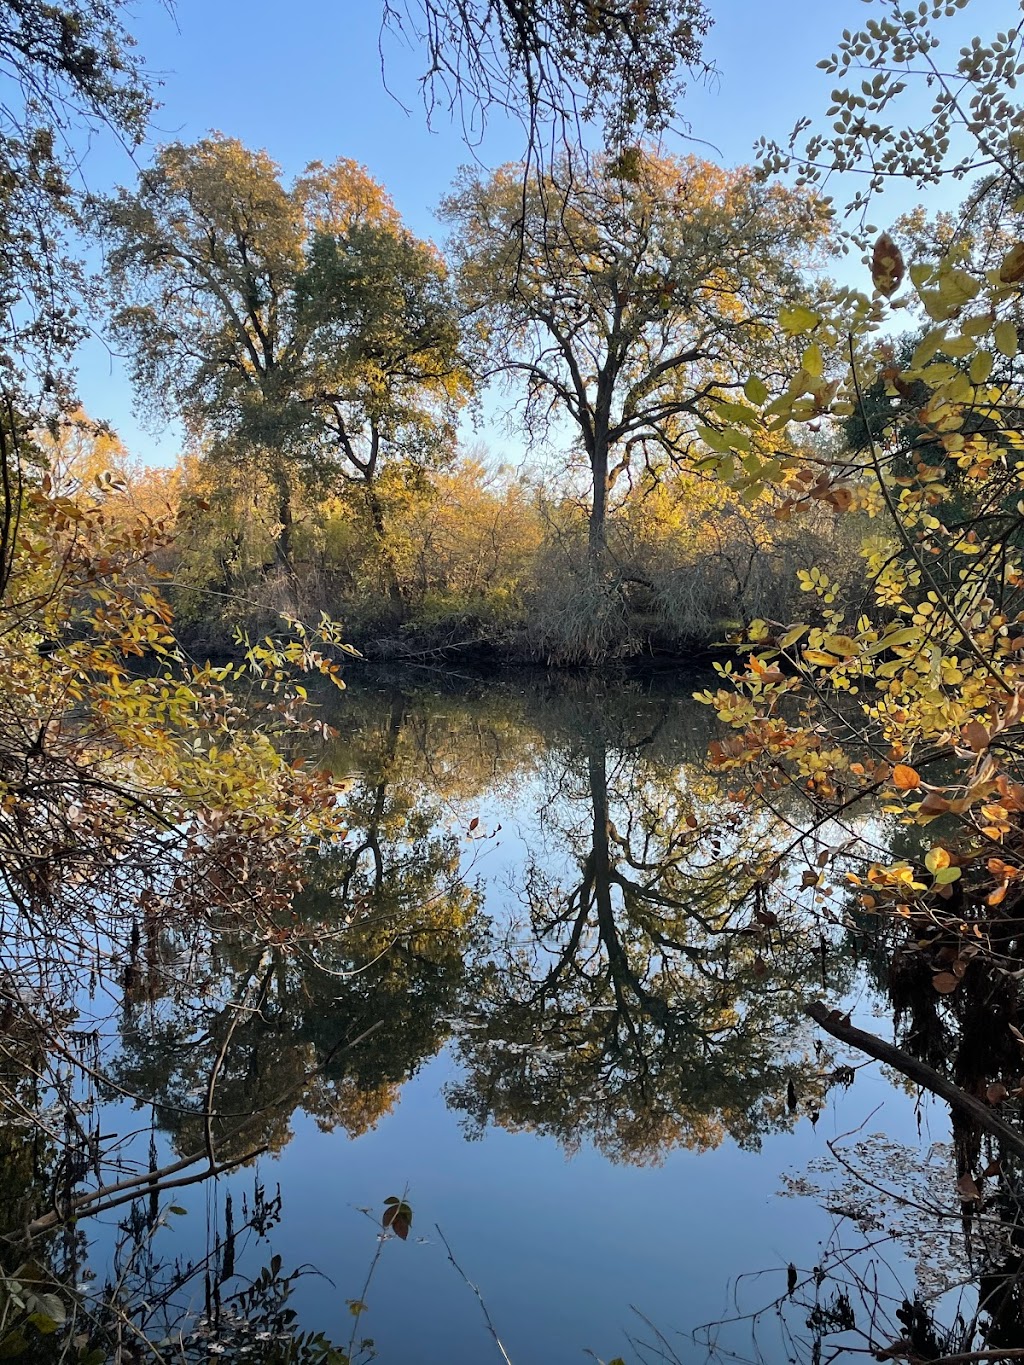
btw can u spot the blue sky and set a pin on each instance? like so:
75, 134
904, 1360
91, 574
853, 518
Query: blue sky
304, 82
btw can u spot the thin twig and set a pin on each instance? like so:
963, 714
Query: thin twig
480, 1297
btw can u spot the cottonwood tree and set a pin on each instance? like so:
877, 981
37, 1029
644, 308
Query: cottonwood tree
628, 301
299, 329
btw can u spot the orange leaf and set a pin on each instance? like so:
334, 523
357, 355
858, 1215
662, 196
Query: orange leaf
905, 777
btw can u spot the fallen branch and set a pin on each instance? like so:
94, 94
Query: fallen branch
919, 1072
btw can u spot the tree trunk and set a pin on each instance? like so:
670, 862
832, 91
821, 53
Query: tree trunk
284, 516
376, 511
597, 543
599, 452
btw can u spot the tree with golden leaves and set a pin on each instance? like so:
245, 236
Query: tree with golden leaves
301, 330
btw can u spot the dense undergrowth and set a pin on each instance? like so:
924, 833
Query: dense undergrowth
493, 568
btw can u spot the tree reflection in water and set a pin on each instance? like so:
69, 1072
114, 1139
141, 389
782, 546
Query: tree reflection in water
649, 999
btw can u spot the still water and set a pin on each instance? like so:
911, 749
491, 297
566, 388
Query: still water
560, 1017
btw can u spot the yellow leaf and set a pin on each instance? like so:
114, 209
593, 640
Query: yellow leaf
840, 644
791, 636
936, 858
798, 320
981, 367
813, 361
1005, 336
932, 342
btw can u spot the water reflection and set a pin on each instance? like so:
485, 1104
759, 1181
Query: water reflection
628, 983
649, 999
335, 1023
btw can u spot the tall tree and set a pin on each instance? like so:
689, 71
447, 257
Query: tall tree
299, 327
630, 299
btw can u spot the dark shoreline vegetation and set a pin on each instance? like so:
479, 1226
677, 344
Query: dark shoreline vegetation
402, 953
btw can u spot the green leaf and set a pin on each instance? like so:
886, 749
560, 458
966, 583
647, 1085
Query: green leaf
43, 1323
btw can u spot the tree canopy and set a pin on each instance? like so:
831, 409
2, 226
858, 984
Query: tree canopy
556, 62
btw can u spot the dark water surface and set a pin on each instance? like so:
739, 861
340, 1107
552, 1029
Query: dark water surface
562, 1018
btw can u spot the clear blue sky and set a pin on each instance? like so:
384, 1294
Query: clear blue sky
304, 81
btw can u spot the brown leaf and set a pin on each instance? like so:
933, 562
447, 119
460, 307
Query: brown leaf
967, 1187
996, 1093
945, 982
976, 736
887, 268
397, 1216
1012, 268
993, 1168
